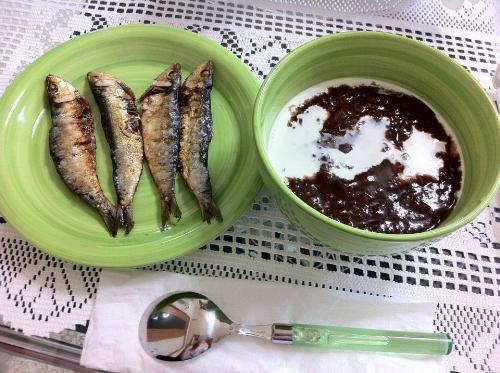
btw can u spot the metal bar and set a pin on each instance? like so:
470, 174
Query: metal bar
44, 350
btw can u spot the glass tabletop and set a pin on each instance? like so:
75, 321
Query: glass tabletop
61, 349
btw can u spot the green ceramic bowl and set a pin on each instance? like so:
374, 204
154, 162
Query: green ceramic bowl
411, 65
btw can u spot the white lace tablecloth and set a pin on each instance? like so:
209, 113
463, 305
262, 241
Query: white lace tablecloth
40, 294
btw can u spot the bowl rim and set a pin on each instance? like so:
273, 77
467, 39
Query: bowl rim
283, 188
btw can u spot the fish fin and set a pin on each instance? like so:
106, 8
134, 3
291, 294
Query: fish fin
109, 218
210, 210
125, 217
164, 82
169, 207
126, 88
149, 92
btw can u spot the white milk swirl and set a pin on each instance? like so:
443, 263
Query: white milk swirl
295, 152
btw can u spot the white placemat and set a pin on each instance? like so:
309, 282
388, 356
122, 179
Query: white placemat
112, 342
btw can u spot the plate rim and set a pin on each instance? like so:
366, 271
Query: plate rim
12, 217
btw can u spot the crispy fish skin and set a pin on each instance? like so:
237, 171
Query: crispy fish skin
161, 121
121, 123
73, 148
196, 134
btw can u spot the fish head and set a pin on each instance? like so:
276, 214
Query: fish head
171, 77
101, 82
201, 77
60, 90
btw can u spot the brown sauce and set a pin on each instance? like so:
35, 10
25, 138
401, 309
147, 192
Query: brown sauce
380, 200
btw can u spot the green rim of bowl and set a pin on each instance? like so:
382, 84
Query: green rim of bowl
253, 182
323, 42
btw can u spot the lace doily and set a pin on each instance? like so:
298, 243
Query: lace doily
40, 294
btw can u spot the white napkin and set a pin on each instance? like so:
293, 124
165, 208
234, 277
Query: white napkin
112, 341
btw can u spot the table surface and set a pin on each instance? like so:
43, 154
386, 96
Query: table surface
44, 296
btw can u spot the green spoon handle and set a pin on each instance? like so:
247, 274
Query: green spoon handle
357, 339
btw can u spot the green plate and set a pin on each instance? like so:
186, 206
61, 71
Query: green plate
36, 202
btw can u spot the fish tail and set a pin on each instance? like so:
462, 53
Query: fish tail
109, 217
169, 206
125, 217
210, 210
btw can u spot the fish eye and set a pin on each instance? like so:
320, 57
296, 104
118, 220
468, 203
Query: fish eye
52, 88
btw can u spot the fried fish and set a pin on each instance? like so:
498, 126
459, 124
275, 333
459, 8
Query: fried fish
161, 123
196, 134
121, 123
73, 147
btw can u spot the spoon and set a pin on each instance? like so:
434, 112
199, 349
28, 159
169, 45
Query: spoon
185, 325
